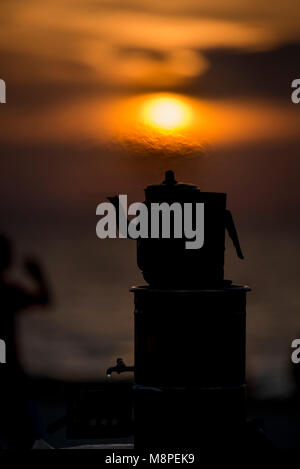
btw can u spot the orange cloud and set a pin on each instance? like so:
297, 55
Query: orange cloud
95, 35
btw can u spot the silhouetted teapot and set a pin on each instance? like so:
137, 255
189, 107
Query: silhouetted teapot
166, 262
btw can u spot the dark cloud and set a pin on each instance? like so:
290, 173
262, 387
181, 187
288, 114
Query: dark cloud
235, 73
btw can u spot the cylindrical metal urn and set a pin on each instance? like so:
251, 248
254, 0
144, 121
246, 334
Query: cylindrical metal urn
190, 325
189, 365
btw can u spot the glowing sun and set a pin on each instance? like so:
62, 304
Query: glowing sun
166, 113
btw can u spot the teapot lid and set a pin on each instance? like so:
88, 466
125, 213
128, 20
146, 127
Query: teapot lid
170, 188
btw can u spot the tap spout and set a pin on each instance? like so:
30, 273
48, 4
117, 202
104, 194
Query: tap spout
119, 368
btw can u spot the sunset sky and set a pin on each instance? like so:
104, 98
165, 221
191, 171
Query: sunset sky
102, 97
61, 58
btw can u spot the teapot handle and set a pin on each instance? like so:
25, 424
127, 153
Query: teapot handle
229, 225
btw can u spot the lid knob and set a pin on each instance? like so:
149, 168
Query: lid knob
169, 178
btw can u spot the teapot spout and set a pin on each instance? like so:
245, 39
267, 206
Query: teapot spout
120, 205
115, 201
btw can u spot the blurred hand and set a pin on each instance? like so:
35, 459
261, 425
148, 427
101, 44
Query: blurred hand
34, 269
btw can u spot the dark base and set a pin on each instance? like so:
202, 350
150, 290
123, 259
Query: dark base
187, 418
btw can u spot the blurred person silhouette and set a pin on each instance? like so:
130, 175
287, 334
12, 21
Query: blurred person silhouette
18, 428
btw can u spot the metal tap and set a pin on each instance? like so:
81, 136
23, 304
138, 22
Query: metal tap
119, 368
